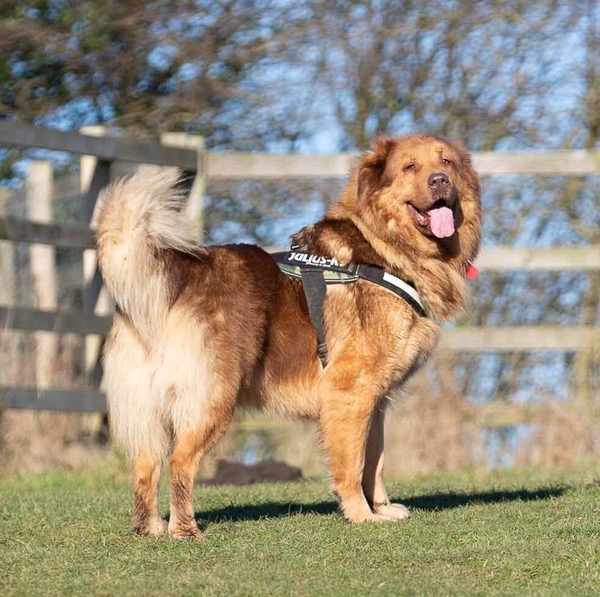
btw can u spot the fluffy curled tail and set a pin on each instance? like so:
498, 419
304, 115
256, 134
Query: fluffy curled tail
139, 216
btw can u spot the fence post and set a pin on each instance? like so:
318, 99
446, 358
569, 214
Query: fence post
7, 260
195, 203
43, 269
9, 354
95, 176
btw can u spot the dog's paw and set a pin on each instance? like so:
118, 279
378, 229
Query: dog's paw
154, 528
393, 511
186, 532
360, 512
369, 517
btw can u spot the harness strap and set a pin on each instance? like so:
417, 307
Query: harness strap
317, 272
394, 284
315, 289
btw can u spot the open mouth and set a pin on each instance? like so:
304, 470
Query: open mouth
439, 219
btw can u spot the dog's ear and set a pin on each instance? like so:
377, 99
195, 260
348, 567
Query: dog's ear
371, 169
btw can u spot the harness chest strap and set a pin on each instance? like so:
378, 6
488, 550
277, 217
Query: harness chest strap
317, 272
315, 288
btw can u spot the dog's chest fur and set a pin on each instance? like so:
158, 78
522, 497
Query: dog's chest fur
378, 332
368, 326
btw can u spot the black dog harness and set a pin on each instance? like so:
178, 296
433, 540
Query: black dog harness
317, 272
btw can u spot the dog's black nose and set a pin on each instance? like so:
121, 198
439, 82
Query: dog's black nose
438, 180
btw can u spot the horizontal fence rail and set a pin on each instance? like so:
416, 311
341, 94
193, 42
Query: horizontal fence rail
257, 166
59, 235
245, 165
90, 401
234, 165
497, 258
551, 259
520, 338
62, 322
56, 399
110, 149
461, 339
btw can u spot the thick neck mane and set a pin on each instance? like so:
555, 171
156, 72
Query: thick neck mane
439, 278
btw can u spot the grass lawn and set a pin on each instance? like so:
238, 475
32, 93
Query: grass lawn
509, 533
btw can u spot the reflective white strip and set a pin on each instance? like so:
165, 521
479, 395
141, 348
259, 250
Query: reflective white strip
403, 286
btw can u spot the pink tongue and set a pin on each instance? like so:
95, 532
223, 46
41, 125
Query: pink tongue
441, 222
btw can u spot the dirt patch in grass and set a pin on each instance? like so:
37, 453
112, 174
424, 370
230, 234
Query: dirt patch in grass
229, 472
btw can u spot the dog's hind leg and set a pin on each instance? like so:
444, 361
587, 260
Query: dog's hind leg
372, 480
190, 447
146, 475
135, 420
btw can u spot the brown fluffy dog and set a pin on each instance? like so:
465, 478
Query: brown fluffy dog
199, 330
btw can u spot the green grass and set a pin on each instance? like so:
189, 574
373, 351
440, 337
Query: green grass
500, 534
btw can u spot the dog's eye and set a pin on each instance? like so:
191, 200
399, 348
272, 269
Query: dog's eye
446, 161
409, 167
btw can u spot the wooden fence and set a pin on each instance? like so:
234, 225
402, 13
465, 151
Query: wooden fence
103, 153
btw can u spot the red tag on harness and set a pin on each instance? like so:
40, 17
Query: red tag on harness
472, 271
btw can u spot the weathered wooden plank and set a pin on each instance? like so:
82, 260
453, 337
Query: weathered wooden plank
67, 400
520, 338
493, 414
262, 166
105, 148
502, 258
95, 177
498, 413
64, 235
559, 162
467, 339
92, 291
63, 322
44, 275
499, 258
239, 165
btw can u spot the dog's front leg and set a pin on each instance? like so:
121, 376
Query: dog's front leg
345, 419
372, 480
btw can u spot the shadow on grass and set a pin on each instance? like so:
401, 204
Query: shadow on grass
268, 510
447, 501
431, 503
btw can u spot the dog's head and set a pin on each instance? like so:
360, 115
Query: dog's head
420, 191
